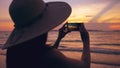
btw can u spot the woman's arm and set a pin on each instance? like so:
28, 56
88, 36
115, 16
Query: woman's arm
57, 43
62, 32
86, 58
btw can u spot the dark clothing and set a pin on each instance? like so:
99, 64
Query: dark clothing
23, 56
30, 56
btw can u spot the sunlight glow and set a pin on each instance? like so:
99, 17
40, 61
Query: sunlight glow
8, 26
83, 11
115, 27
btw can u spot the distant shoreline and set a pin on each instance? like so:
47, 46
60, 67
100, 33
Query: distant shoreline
88, 30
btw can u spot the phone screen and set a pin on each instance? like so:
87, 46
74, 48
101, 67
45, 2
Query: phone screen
73, 26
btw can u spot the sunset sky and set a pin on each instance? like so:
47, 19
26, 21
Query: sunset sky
87, 11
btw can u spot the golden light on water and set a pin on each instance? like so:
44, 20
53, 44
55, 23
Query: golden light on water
115, 27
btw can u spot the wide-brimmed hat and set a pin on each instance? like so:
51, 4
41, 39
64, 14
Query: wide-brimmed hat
33, 18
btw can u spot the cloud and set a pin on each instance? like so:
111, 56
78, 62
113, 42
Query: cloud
111, 19
89, 16
108, 7
5, 20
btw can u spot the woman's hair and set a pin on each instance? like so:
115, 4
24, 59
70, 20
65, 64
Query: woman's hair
40, 40
37, 41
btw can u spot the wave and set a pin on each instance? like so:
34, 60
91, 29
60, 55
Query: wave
1, 45
104, 63
66, 41
93, 50
106, 44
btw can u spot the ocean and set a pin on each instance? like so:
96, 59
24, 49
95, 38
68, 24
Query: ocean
105, 46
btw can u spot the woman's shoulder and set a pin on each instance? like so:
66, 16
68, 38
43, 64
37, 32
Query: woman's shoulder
53, 51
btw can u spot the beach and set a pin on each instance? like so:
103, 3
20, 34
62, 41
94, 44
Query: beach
105, 47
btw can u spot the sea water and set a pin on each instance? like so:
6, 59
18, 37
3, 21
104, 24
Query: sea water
105, 45
107, 42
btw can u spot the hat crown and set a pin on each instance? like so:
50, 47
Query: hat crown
23, 12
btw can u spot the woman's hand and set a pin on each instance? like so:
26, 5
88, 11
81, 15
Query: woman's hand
82, 27
63, 31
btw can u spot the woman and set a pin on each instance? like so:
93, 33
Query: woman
26, 46
36, 54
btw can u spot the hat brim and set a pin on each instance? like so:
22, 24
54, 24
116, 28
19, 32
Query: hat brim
54, 14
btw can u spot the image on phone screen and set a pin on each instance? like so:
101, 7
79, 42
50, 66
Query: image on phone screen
73, 26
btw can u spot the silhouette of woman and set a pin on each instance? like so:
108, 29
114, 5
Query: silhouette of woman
26, 46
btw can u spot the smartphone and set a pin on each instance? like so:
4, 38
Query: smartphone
72, 26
